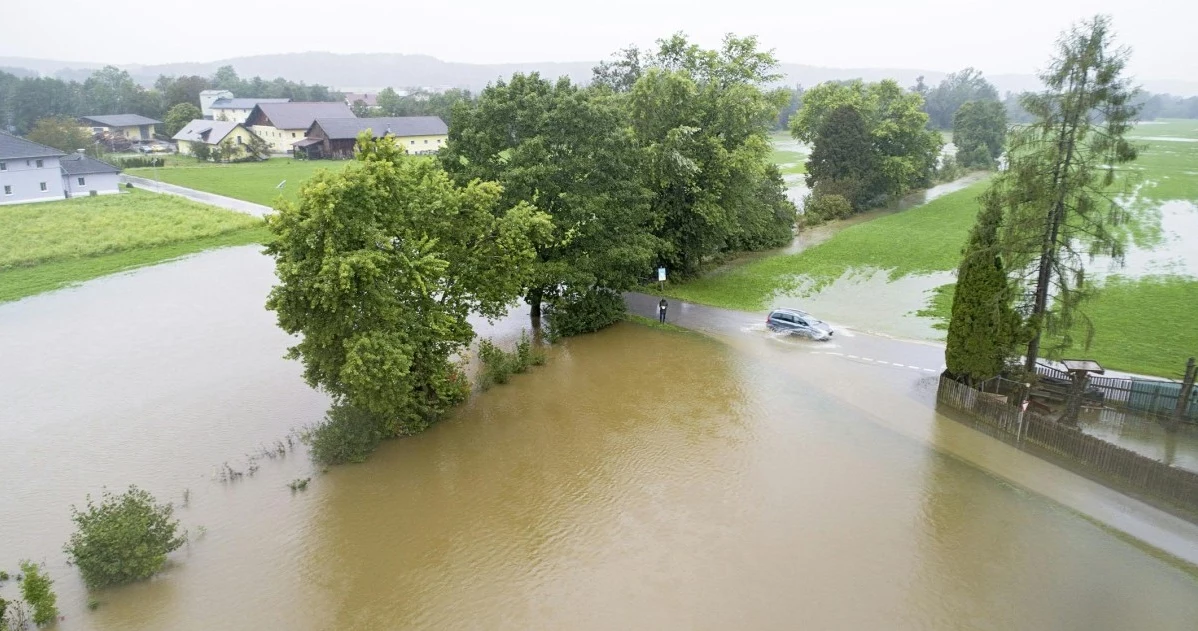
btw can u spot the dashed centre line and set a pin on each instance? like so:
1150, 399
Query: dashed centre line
876, 361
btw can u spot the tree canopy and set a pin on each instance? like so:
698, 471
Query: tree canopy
905, 150
62, 133
979, 132
379, 266
569, 152
179, 116
957, 89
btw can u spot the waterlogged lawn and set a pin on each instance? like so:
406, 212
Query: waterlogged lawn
923, 239
256, 182
1143, 326
49, 245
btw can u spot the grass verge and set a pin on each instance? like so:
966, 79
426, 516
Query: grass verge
654, 324
17, 283
251, 181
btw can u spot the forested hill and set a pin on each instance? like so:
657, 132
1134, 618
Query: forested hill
381, 70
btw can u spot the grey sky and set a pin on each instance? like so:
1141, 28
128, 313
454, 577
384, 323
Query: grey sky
1009, 36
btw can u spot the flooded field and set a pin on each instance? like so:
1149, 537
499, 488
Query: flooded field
642, 479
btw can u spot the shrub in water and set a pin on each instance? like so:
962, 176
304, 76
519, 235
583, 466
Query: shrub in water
36, 590
820, 208
347, 434
576, 313
499, 364
123, 539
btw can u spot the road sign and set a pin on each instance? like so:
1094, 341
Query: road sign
661, 274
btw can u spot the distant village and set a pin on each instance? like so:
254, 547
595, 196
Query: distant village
242, 126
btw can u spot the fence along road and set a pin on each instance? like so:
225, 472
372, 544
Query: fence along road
864, 372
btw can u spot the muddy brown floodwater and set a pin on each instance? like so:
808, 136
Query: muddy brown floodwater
643, 479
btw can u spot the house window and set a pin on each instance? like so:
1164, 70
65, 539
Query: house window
39, 164
8, 190
293, 134
239, 139
411, 142
82, 182
426, 141
43, 185
97, 130
3, 166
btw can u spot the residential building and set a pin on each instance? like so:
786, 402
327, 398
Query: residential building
82, 175
283, 124
211, 133
369, 99
135, 127
238, 110
208, 97
335, 137
29, 172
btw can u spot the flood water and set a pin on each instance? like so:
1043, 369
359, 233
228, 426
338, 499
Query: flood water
643, 479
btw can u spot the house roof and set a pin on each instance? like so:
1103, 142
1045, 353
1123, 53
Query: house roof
12, 147
82, 165
399, 126
370, 99
297, 115
242, 104
121, 120
205, 131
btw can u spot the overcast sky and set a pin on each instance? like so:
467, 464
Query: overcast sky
1008, 36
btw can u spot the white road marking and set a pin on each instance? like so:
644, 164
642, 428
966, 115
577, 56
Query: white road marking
898, 365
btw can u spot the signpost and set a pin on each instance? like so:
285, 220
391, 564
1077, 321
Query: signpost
661, 278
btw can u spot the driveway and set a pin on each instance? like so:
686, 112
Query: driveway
212, 199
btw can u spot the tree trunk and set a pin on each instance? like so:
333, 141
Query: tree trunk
535, 295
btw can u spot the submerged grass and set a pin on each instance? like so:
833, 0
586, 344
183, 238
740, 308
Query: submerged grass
923, 239
1142, 326
17, 283
90, 226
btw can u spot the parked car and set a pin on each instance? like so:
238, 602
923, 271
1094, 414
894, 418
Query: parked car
798, 323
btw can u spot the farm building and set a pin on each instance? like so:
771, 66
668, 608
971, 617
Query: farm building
210, 133
283, 124
335, 137
135, 127
237, 110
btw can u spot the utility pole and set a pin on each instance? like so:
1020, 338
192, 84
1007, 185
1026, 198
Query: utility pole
1183, 396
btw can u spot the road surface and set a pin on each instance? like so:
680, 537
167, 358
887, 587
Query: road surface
212, 199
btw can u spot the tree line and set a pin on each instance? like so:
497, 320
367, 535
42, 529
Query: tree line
559, 194
110, 90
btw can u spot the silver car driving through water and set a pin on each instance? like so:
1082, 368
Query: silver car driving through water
798, 323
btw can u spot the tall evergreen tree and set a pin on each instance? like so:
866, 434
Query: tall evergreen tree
982, 330
1059, 192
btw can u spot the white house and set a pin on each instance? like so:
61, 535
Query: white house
237, 110
82, 175
208, 97
211, 133
29, 172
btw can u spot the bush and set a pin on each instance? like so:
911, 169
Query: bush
976, 158
125, 538
499, 364
36, 590
819, 208
347, 434
576, 313
138, 162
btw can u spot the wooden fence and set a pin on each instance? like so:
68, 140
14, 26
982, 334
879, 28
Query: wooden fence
992, 415
1152, 396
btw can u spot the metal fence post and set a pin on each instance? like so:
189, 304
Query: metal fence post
1183, 396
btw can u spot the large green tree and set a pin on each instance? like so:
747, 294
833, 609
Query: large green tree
702, 118
905, 150
179, 116
63, 134
957, 89
843, 158
1059, 192
983, 327
380, 264
979, 132
569, 152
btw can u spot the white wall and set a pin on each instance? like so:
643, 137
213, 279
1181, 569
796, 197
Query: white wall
101, 183
25, 178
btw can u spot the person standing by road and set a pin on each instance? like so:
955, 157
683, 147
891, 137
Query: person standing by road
661, 310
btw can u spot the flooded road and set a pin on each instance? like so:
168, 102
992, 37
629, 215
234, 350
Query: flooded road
642, 479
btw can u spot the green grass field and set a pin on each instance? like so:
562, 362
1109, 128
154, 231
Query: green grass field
252, 181
53, 244
923, 239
